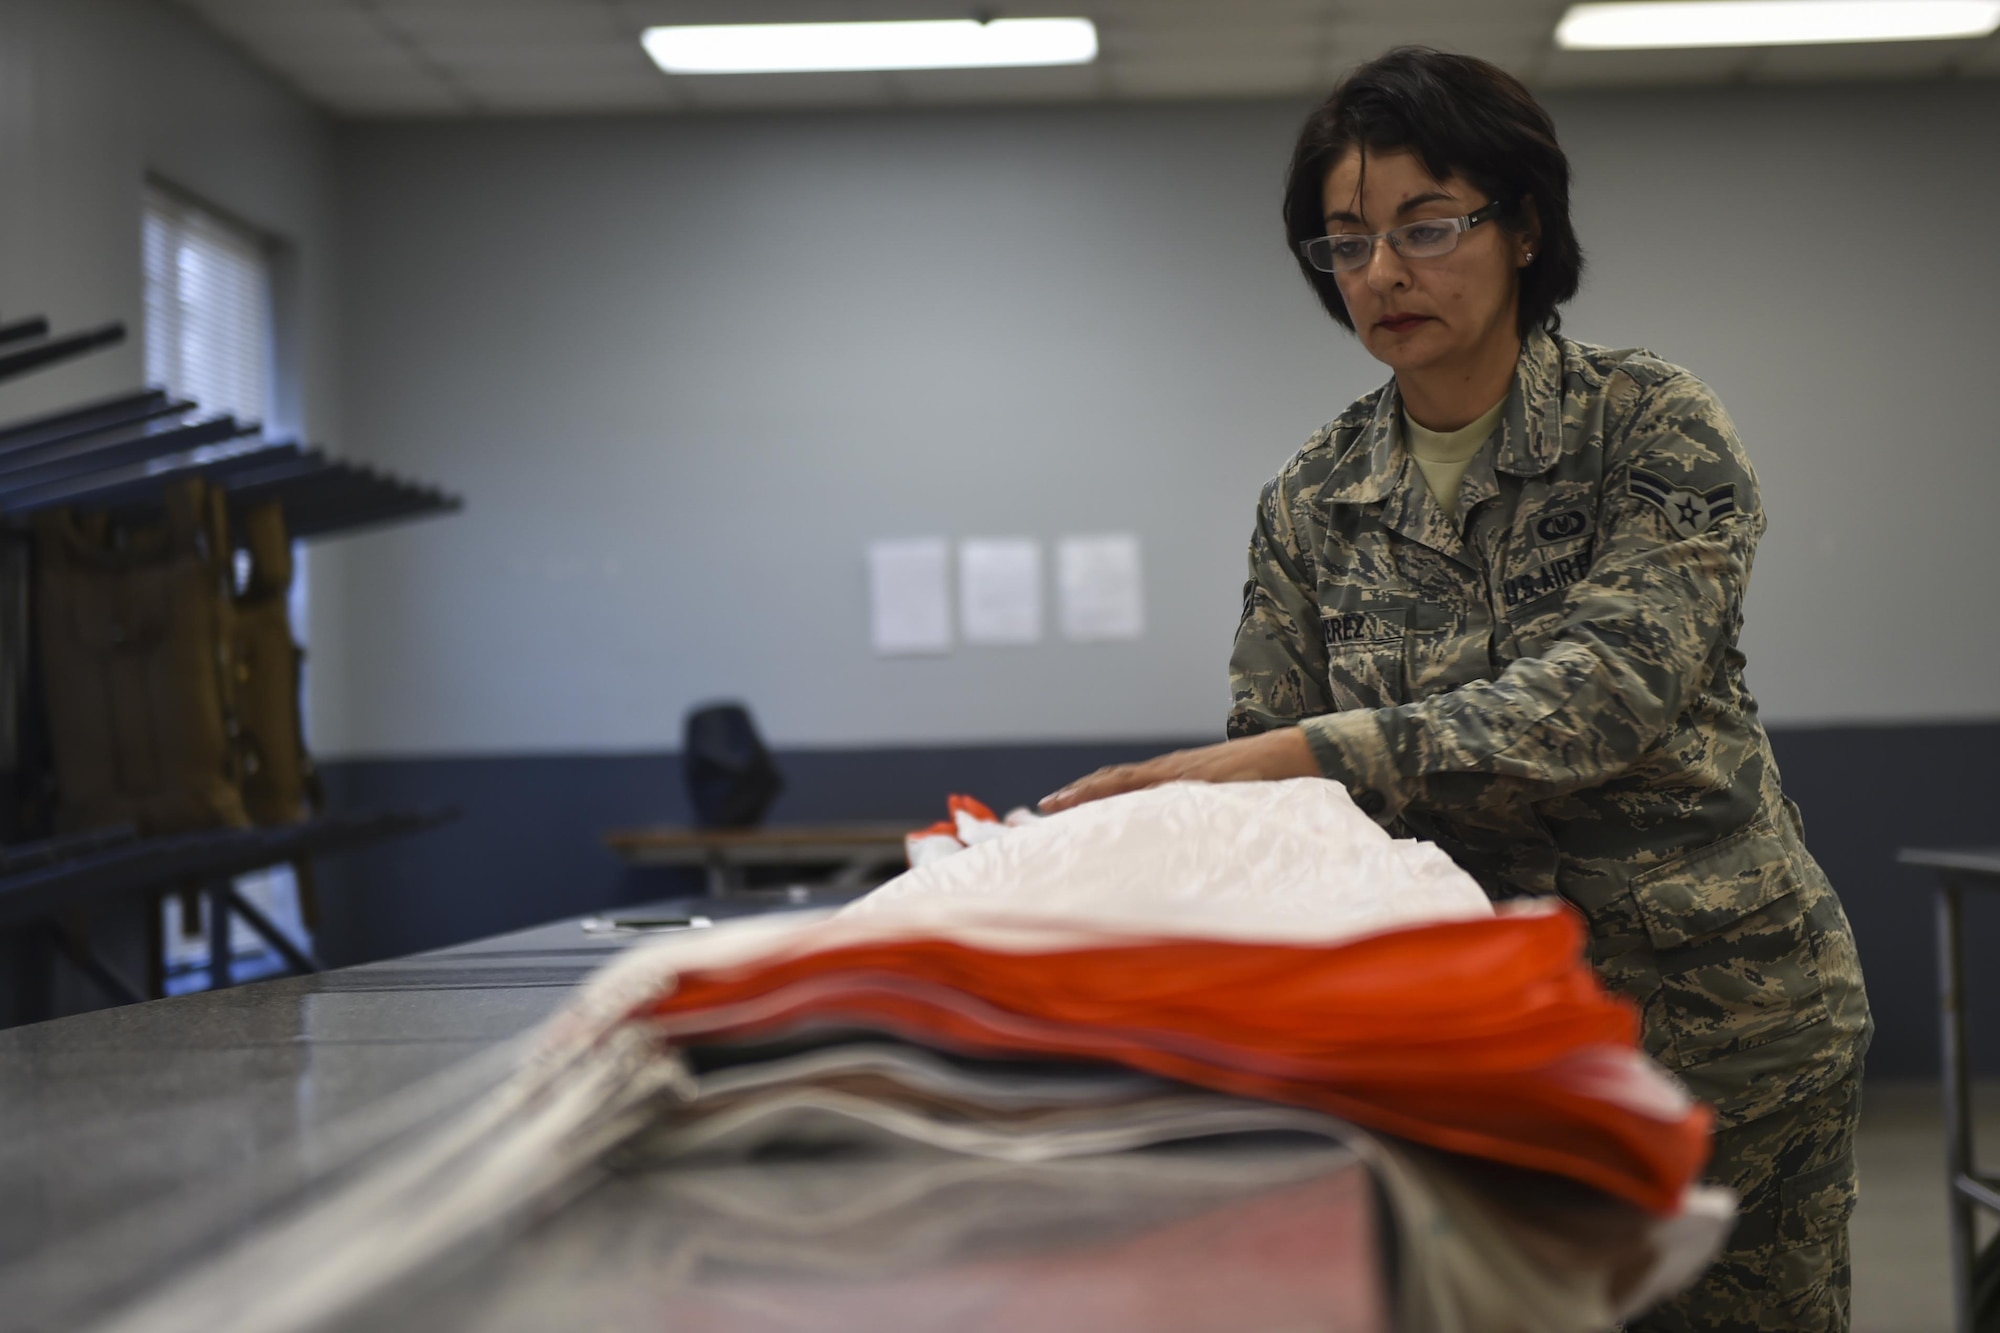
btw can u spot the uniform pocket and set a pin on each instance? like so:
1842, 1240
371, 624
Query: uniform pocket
1729, 937
1445, 649
1814, 1205
1364, 656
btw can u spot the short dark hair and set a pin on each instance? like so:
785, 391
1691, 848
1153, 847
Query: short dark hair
1460, 117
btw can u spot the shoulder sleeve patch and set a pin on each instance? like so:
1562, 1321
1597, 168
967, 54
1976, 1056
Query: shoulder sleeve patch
1688, 512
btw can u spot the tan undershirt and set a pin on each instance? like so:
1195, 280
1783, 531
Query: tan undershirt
1443, 455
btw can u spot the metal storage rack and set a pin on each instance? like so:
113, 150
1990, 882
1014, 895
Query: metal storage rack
119, 454
1969, 1188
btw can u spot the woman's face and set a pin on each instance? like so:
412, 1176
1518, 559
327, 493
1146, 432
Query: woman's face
1415, 315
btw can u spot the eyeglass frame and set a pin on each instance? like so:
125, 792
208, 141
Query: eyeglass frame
1460, 226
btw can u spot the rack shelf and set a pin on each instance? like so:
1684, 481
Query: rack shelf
42, 350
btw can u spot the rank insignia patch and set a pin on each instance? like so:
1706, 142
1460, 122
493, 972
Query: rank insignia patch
1688, 512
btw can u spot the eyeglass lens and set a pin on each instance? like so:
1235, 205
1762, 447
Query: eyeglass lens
1417, 240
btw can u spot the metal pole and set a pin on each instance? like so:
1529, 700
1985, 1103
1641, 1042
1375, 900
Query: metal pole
295, 958
1957, 1100
218, 936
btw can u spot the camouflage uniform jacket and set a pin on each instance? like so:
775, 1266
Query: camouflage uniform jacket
1548, 687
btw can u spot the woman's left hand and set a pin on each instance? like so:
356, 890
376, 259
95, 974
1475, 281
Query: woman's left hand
1273, 754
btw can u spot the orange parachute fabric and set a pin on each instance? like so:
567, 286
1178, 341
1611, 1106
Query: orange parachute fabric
1482, 1037
972, 807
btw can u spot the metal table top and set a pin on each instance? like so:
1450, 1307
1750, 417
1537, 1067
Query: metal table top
135, 1141
131, 1136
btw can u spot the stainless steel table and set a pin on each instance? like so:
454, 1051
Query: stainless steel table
1203, 1239
1959, 872
135, 1142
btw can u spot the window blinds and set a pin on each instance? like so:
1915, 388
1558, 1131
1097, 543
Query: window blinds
208, 308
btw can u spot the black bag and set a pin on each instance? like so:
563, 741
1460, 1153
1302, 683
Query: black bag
731, 779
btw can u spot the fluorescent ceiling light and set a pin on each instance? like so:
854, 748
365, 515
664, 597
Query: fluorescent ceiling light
1682, 23
775, 48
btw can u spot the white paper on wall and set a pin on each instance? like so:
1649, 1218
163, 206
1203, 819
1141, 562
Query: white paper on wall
1098, 582
1000, 590
909, 596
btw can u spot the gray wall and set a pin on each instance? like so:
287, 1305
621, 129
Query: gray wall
1779, 243
94, 96
684, 369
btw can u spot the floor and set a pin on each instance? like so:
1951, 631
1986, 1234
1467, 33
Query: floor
1902, 1273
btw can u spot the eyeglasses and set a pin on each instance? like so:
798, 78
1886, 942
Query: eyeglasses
1429, 239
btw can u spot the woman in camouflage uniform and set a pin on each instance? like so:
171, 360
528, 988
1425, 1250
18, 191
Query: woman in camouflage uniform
1525, 651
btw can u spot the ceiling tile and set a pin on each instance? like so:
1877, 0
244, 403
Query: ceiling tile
1226, 42
556, 60
1210, 13
370, 93
508, 24
224, 9
564, 96
1162, 79
1500, 41
1857, 60
1641, 69
647, 12
295, 25
1072, 83
1984, 59
780, 91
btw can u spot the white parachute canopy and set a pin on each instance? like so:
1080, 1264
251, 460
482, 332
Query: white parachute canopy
1269, 861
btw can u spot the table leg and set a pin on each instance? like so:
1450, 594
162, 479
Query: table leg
1957, 1100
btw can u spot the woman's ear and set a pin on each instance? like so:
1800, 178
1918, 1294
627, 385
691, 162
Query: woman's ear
1528, 239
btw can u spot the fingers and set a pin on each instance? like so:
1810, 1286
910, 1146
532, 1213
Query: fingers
1085, 788
1104, 782
1275, 754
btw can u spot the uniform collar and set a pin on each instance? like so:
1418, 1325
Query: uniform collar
1530, 431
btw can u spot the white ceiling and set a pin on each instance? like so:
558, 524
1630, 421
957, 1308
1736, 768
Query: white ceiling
387, 58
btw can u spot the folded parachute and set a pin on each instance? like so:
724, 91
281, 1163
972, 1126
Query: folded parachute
1264, 940
1188, 962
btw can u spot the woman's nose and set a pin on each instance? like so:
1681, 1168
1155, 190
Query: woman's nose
1386, 269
